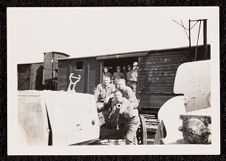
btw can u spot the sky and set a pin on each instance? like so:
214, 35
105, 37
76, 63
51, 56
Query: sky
99, 31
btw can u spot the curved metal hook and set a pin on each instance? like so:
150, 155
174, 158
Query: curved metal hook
73, 84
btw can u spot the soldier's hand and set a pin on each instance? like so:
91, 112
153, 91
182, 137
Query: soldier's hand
108, 98
112, 95
122, 110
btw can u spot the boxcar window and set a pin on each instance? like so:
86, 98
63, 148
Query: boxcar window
79, 65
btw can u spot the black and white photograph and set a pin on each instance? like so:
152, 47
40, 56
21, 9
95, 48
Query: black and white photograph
113, 81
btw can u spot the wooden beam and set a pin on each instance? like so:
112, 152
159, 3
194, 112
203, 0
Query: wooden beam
189, 32
87, 76
205, 36
101, 71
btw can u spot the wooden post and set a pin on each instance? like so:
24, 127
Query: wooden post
189, 37
189, 29
205, 36
87, 76
101, 71
69, 71
30, 77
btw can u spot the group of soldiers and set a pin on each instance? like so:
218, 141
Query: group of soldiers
117, 104
130, 75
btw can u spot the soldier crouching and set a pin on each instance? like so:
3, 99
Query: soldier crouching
124, 117
103, 94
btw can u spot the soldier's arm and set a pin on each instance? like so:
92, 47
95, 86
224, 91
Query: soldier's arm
97, 92
111, 115
126, 110
124, 105
132, 98
111, 95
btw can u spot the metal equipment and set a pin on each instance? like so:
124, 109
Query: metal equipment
192, 81
56, 118
73, 81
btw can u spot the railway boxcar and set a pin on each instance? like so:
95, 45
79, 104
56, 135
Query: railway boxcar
30, 76
41, 75
156, 74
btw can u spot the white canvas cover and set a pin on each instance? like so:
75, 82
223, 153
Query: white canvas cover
73, 116
193, 80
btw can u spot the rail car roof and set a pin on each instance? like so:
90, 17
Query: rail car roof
126, 54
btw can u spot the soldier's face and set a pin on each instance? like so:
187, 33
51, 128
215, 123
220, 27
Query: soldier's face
134, 66
106, 80
118, 96
120, 84
105, 70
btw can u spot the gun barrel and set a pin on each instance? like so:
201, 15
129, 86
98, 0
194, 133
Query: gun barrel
118, 105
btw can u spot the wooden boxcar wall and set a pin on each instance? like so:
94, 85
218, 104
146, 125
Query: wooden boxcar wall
23, 76
88, 68
157, 73
50, 70
30, 76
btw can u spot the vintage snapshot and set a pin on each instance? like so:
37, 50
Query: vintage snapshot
113, 81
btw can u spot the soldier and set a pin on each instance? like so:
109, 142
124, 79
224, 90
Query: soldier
125, 117
104, 94
127, 92
118, 74
106, 72
124, 72
132, 77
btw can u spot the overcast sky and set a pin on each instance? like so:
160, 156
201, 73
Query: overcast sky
99, 31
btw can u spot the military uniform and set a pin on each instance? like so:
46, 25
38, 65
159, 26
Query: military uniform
132, 79
101, 93
126, 119
118, 75
124, 75
128, 93
108, 74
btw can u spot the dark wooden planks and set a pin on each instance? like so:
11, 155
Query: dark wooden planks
36, 75
30, 76
50, 71
94, 68
153, 101
157, 72
63, 75
23, 81
89, 74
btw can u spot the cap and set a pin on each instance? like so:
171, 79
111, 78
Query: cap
135, 64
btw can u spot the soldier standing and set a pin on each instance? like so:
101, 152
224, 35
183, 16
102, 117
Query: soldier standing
132, 77
118, 74
106, 72
124, 72
128, 73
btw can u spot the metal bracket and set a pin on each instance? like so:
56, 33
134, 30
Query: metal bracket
73, 84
